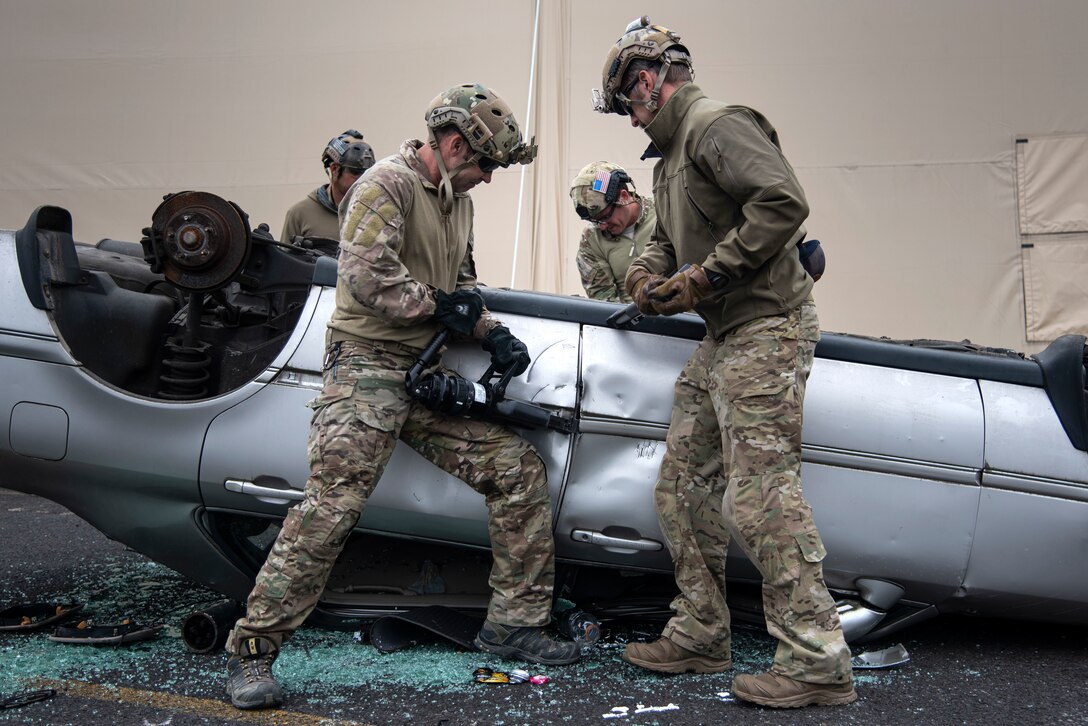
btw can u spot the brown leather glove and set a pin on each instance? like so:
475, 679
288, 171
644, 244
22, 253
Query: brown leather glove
681, 292
639, 284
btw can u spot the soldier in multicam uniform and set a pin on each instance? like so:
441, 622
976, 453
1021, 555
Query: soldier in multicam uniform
346, 157
730, 208
620, 223
405, 272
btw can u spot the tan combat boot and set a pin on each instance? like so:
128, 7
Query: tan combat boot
777, 691
665, 656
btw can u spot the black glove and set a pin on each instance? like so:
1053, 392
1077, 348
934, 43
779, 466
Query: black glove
812, 258
507, 352
459, 310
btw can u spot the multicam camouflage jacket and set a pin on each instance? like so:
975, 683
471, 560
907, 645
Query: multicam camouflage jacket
396, 249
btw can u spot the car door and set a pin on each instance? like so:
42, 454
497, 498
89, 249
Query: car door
607, 514
891, 464
1032, 542
892, 460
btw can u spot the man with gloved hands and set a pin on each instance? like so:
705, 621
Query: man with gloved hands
405, 272
659, 295
461, 311
730, 215
507, 352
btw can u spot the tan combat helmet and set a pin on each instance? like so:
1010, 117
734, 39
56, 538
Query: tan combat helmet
597, 186
349, 151
640, 41
486, 122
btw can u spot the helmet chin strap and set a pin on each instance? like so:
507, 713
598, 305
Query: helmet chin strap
651, 103
445, 184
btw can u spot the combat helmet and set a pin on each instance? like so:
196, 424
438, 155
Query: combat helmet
487, 123
597, 186
640, 41
349, 151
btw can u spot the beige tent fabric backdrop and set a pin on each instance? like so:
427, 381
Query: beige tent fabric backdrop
1052, 196
552, 267
1055, 286
900, 118
1052, 184
109, 105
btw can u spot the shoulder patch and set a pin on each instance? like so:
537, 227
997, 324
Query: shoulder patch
369, 194
372, 210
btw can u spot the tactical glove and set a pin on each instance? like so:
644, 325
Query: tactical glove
507, 352
681, 292
639, 284
458, 310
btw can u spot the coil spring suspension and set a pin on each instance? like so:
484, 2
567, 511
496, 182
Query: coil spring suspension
185, 370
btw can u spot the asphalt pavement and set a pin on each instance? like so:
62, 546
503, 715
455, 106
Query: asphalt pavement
961, 670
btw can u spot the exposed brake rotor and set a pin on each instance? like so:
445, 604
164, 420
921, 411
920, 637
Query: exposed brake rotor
202, 240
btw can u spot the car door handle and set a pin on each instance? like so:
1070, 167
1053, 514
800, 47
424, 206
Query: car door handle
269, 495
616, 544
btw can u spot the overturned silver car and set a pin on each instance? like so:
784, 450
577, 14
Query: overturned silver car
157, 389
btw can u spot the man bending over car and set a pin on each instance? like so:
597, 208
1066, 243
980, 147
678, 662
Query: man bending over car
406, 271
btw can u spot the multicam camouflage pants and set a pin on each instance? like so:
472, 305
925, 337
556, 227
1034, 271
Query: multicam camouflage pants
361, 412
737, 410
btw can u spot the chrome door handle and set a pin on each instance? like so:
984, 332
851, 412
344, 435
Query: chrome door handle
615, 544
269, 495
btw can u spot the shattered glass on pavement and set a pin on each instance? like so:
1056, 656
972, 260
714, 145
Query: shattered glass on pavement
323, 668
961, 671
896, 655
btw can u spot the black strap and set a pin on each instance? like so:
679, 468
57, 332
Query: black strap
17, 700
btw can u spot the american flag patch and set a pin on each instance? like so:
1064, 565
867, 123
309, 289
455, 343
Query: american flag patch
600, 184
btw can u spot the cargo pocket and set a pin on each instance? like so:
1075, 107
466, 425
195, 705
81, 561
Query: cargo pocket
379, 398
802, 527
792, 555
378, 406
811, 546
292, 523
761, 398
274, 587
331, 393
339, 532
327, 543
754, 364
274, 580
323, 532
332, 419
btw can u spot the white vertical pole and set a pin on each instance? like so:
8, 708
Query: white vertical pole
528, 115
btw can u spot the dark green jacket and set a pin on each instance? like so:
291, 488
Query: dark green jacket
310, 218
727, 199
